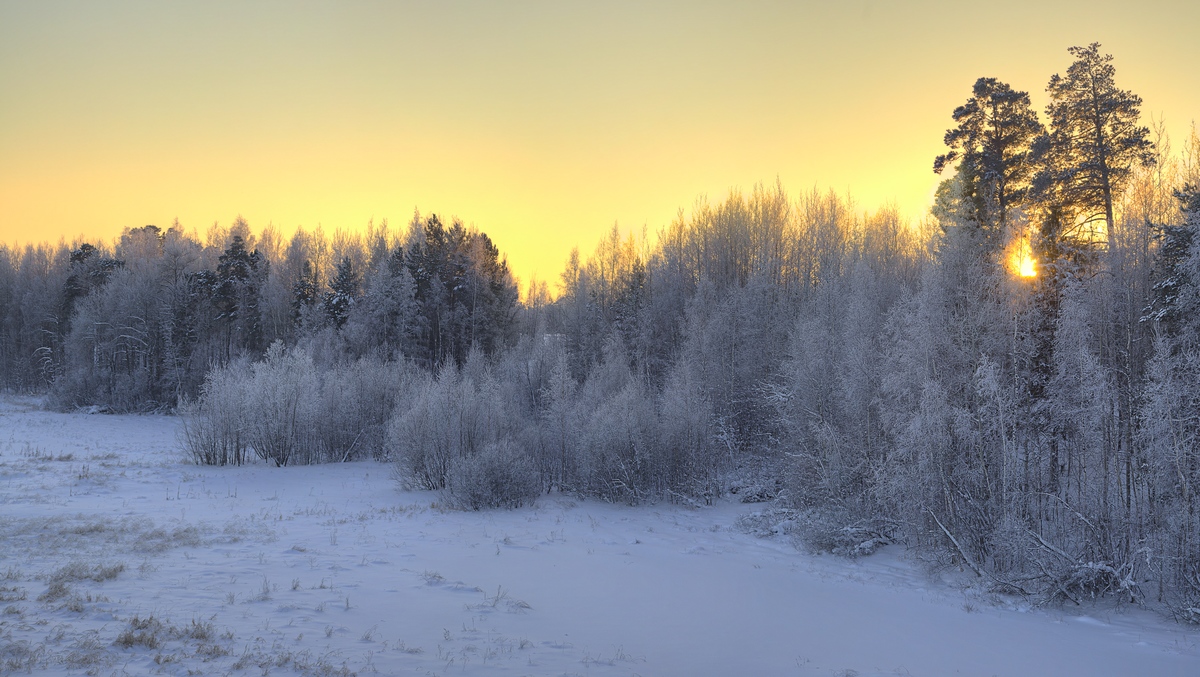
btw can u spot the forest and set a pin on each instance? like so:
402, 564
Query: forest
1010, 385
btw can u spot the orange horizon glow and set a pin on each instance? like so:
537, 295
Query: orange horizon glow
540, 123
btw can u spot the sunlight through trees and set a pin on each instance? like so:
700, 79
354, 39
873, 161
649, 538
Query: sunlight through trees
1008, 385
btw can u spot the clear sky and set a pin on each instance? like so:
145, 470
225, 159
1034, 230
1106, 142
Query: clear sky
541, 123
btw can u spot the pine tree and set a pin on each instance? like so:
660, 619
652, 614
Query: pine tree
1093, 143
996, 128
1084, 163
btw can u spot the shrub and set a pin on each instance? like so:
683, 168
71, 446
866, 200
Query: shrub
835, 530
450, 418
685, 459
499, 476
213, 425
616, 447
281, 405
355, 406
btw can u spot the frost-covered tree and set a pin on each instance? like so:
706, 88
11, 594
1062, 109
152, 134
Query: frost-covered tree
343, 293
304, 293
235, 297
1170, 415
1093, 143
991, 143
1172, 278
384, 321
465, 291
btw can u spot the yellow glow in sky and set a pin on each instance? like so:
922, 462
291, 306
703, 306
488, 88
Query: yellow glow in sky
542, 123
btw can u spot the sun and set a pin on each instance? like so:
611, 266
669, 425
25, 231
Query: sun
1027, 267
1021, 261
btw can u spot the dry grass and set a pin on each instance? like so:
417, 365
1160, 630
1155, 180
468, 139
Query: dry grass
279, 658
58, 585
152, 633
21, 656
148, 632
11, 593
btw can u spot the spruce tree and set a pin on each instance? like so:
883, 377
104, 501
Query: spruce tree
240, 273
343, 293
304, 292
1172, 279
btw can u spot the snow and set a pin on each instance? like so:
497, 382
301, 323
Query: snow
333, 569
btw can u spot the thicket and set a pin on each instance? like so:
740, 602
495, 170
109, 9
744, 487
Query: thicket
1009, 386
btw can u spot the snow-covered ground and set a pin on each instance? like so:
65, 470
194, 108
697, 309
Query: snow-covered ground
119, 556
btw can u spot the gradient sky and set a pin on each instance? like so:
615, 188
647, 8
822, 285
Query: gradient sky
541, 123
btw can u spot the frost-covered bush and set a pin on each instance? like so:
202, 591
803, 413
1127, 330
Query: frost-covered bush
460, 434
282, 406
356, 404
289, 411
450, 418
834, 530
616, 446
619, 439
213, 425
500, 476
268, 407
686, 459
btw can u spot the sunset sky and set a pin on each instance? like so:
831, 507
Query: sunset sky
541, 123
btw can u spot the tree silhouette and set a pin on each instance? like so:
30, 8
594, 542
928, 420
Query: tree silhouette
1093, 143
996, 128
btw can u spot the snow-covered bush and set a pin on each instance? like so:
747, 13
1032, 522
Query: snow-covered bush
458, 435
289, 411
501, 475
557, 424
834, 530
686, 460
450, 418
356, 404
282, 407
213, 425
616, 446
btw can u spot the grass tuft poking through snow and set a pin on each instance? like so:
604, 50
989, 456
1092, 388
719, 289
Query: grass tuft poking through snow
144, 632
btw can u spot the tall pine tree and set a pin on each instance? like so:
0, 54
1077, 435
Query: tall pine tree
996, 128
1093, 144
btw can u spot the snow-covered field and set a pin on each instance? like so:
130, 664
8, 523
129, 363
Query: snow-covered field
119, 556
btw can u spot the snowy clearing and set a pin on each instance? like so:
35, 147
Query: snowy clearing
119, 556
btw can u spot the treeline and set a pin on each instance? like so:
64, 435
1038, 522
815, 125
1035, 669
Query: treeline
138, 326
1010, 386
648, 378
1043, 440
